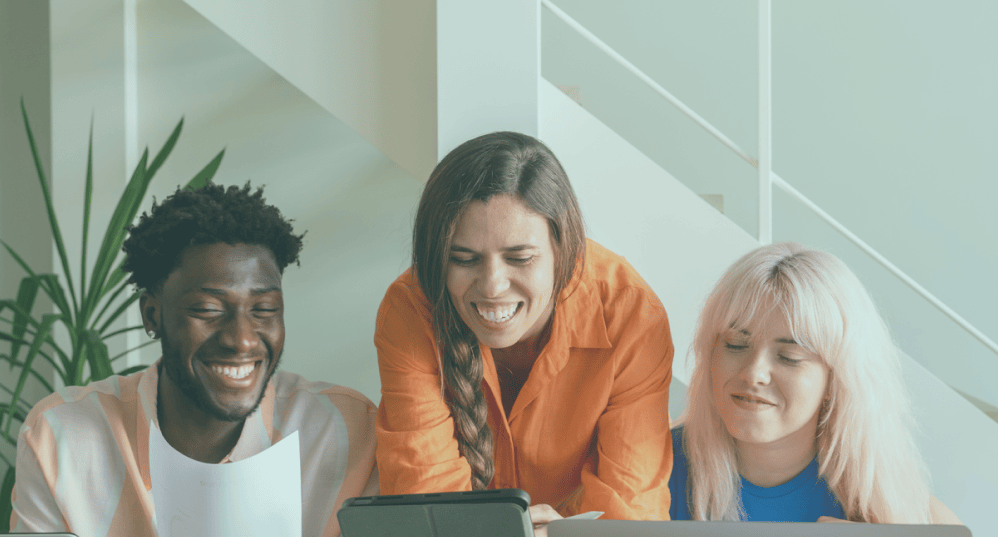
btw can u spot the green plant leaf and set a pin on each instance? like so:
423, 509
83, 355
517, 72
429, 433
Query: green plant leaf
133, 369
117, 312
165, 150
122, 331
135, 348
22, 407
110, 300
43, 333
117, 275
87, 196
26, 293
97, 356
7, 337
50, 284
19, 413
115, 234
207, 173
13, 442
6, 506
53, 221
41, 380
124, 214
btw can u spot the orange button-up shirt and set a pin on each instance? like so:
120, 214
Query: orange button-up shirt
589, 430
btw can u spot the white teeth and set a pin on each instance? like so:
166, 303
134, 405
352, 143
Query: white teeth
240, 372
497, 316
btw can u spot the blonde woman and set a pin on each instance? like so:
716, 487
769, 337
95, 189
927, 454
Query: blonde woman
796, 408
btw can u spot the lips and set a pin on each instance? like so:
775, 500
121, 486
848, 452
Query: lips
751, 400
233, 375
496, 316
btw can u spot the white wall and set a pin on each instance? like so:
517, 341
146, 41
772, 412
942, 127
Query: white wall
355, 203
24, 71
371, 63
883, 114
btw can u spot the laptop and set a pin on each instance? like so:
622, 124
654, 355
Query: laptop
633, 528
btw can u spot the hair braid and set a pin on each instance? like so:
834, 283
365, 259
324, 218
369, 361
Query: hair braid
463, 373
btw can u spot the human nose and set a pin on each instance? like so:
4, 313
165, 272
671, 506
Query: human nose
756, 369
495, 281
239, 334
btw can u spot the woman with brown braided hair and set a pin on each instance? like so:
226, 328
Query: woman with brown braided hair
515, 352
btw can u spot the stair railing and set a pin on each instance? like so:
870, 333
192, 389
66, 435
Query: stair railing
768, 178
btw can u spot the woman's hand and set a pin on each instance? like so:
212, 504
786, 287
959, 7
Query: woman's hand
832, 519
540, 515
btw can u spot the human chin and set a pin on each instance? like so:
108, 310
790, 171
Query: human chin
214, 393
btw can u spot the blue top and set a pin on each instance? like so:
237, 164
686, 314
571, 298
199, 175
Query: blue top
802, 499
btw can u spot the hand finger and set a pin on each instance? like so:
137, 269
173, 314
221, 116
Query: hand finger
543, 513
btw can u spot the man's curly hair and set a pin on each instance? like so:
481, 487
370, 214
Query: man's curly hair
206, 215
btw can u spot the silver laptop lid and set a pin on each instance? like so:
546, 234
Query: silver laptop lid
631, 528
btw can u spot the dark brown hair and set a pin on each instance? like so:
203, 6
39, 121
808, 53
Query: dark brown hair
500, 163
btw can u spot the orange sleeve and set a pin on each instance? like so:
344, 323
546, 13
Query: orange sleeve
416, 450
629, 479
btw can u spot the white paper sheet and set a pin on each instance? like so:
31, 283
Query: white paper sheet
258, 496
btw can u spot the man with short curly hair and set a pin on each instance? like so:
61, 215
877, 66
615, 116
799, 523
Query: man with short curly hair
209, 263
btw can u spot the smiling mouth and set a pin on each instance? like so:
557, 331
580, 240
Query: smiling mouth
234, 376
748, 399
237, 373
495, 317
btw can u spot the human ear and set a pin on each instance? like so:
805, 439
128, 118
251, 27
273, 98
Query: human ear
150, 308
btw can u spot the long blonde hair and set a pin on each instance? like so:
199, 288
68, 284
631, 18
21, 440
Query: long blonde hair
865, 441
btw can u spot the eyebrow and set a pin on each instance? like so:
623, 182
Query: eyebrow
517, 248
222, 292
788, 341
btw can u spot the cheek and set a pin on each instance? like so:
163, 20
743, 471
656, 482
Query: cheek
808, 389
541, 282
716, 380
457, 285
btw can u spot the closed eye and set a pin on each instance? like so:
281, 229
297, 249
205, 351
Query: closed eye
205, 312
519, 260
733, 347
788, 360
463, 262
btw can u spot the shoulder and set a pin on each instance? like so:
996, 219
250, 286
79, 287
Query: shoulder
102, 404
404, 297
631, 312
320, 400
616, 282
403, 334
940, 513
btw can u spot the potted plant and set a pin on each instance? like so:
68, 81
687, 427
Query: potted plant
86, 313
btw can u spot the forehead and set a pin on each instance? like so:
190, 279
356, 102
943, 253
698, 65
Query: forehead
767, 322
225, 267
502, 222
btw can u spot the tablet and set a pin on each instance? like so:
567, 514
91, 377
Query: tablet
499, 513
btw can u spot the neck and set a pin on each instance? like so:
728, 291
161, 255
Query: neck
522, 354
190, 431
775, 463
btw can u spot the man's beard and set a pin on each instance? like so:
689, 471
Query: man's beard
174, 368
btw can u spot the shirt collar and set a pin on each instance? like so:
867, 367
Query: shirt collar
255, 437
